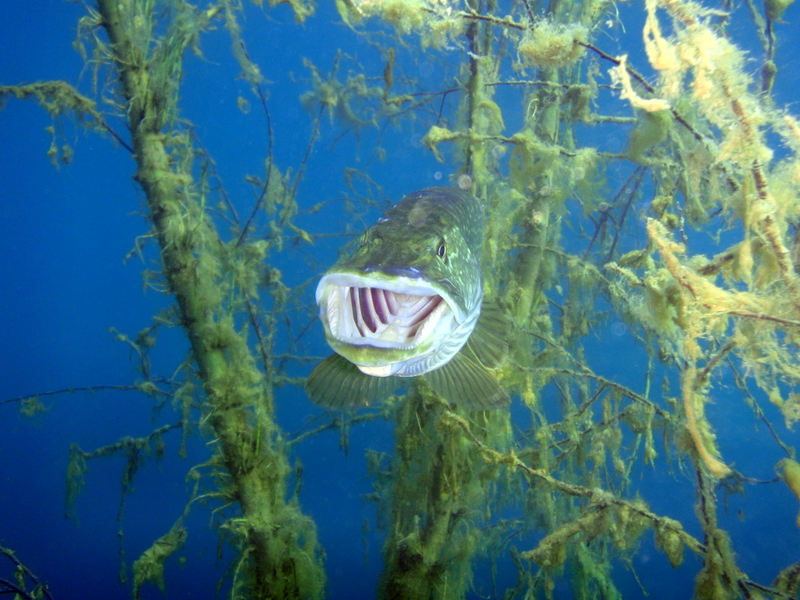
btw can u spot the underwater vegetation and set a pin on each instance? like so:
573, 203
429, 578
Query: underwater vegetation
407, 301
682, 235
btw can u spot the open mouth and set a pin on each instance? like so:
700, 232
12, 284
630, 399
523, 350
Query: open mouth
383, 317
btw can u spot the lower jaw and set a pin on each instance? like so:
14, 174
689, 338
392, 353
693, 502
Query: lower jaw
381, 371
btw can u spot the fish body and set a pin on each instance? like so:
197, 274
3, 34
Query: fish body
405, 301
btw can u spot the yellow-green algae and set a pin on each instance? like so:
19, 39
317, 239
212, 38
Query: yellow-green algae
697, 159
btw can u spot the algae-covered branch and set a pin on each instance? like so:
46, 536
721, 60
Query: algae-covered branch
279, 556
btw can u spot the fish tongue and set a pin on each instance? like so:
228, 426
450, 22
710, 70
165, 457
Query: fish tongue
403, 298
392, 334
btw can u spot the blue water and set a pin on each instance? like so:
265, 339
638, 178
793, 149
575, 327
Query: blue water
63, 236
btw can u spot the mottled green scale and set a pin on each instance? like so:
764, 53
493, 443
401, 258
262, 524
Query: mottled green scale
405, 240
441, 209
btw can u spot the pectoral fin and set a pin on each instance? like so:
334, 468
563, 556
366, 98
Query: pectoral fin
488, 343
466, 382
337, 384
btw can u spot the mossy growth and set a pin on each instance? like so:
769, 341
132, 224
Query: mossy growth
776, 8
652, 128
149, 567
439, 486
669, 541
436, 23
215, 284
789, 470
551, 44
571, 257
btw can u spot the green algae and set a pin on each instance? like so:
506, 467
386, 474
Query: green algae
697, 159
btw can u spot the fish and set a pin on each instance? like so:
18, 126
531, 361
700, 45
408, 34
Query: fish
406, 300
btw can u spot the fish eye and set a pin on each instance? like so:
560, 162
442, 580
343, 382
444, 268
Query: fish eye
441, 250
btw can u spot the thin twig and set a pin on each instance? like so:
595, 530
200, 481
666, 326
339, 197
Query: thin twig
265, 186
91, 388
39, 585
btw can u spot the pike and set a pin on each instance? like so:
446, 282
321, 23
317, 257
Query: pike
407, 301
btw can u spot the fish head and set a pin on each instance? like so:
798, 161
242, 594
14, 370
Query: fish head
408, 287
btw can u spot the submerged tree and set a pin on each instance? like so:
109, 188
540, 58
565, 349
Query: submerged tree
561, 254
216, 283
